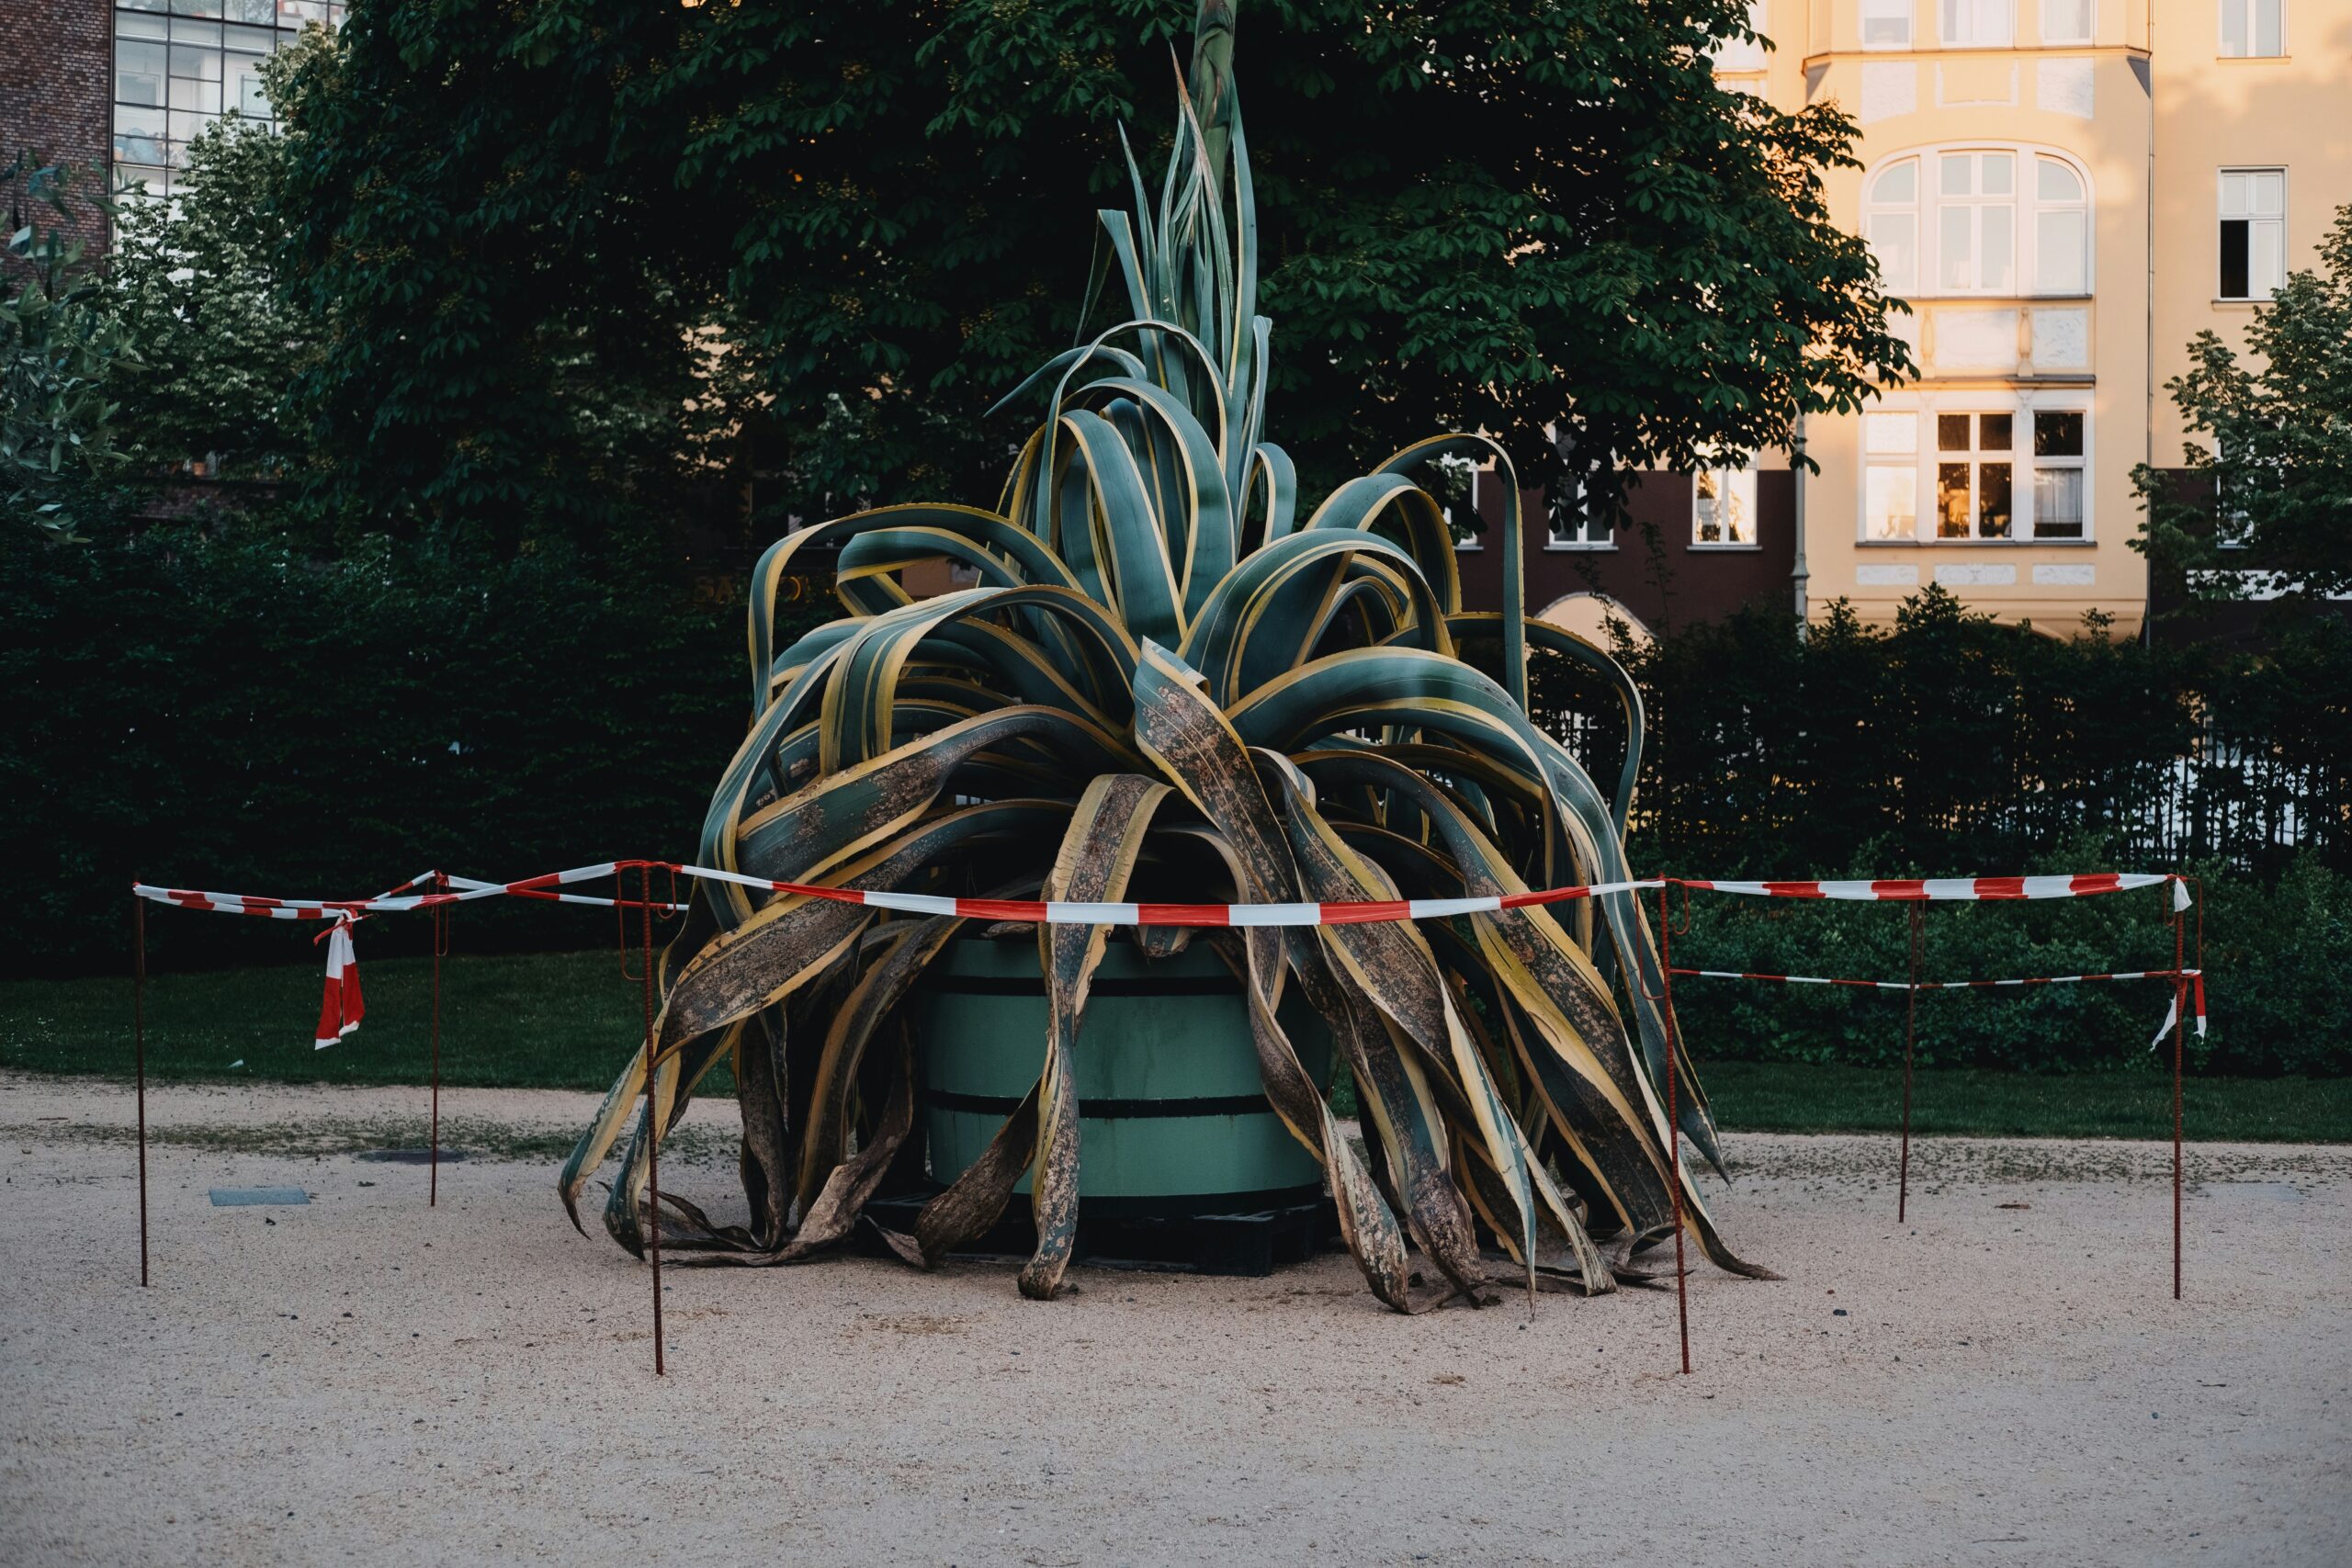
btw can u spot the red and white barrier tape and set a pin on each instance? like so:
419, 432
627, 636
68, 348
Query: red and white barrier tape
2196, 977
1366, 911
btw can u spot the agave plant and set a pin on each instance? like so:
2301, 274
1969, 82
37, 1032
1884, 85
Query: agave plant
1169, 683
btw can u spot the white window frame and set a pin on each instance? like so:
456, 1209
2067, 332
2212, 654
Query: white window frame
1581, 539
1891, 459
1873, 210
1976, 204
1920, 410
1471, 539
2026, 208
2249, 15
1947, 11
1738, 483
1976, 457
1887, 10
2255, 293
2090, 15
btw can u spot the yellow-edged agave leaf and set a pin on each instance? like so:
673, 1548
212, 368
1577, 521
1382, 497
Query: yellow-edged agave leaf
1157, 614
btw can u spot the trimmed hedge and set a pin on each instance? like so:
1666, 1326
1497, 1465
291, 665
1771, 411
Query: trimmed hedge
223, 711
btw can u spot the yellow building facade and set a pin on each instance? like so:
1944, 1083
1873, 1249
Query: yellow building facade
2066, 191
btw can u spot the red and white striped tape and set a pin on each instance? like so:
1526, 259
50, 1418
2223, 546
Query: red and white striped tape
2196, 978
1056, 912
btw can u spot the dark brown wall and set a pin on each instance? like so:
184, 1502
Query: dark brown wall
1655, 572
56, 56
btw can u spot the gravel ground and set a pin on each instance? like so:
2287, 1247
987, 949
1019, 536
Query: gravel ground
366, 1378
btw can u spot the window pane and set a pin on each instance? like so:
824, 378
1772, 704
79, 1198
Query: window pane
2065, 20
138, 73
1951, 433
141, 26
204, 33
1955, 239
2058, 504
2266, 263
261, 11
250, 41
2265, 27
195, 64
2234, 195
1889, 433
2057, 433
1895, 241
1897, 185
2055, 181
2267, 187
1993, 501
1952, 501
2060, 263
1995, 174
2234, 258
1738, 507
1958, 173
1890, 503
196, 8
1998, 262
1992, 432
2233, 27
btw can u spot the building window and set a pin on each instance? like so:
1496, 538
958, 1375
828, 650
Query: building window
1892, 225
2254, 233
2062, 230
2069, 21
1973, 461
174, 75
1886, 24
2252, 28
1985, 233
1735, 55
1573, 529
1976, 24
1463, 517
1891, 476
1723, 508
2058, 473
1976, 204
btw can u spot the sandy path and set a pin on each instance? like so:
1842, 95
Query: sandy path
366, 1379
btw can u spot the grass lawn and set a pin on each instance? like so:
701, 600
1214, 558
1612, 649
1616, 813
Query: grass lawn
569, 1021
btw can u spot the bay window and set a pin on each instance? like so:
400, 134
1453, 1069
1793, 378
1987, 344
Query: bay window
2017, 473
1999, 221
1886, 24
1975, 24
1973, 466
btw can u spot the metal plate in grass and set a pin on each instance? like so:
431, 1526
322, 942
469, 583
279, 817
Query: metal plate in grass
248, 1197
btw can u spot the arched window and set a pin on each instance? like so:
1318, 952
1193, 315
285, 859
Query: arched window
1891, 225
2000, 221
2061, 229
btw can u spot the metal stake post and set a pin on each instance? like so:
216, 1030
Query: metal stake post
653, 1121
139, 1060
440, 947
1673, 1121
2179, 1030
1910, 1032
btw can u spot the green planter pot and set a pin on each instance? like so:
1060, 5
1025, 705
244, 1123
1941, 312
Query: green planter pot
1173, 1117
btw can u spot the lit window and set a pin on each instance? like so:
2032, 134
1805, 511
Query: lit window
2061, 245
1722, 506
1974, 459
1976, 24
1891, 476
2058, 473
1977, 222
1886, 24
1892, 225
2252, 27
2254, 233
2068, 21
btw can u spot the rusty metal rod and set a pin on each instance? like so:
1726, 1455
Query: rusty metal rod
1910, 1033
1673, 1121
139, 1059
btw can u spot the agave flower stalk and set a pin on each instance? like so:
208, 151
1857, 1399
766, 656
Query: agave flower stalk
1189, 692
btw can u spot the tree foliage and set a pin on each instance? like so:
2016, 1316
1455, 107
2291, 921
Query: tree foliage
193, 283
1514, 217
62, 352
2266, 506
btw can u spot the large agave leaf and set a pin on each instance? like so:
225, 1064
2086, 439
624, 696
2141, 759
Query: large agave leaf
1098, 856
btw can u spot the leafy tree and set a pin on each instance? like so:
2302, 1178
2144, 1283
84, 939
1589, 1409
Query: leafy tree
59, 353
2265, 504
193, 281
1517, 216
